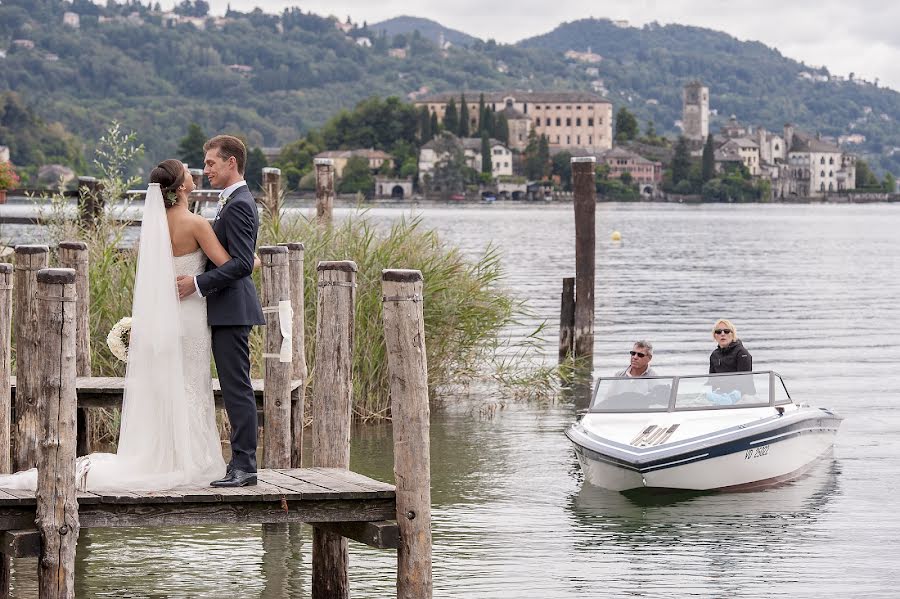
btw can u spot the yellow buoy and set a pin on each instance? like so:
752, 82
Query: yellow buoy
616, 236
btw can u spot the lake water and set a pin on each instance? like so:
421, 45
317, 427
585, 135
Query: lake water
813, 291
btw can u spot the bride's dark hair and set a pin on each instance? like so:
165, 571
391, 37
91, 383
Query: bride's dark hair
169, 174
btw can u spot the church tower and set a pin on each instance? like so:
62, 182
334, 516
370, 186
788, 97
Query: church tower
695, 111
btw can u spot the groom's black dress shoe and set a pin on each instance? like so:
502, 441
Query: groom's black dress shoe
235, 478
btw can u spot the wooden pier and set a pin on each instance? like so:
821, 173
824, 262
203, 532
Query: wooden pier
333, 498
40, 405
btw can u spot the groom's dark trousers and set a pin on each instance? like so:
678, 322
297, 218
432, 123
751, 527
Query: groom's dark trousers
232, 309
231, 350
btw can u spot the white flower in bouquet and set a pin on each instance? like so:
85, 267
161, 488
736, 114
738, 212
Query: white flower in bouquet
119, 337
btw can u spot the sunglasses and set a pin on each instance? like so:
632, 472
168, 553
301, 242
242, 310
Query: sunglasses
720, 331
639, 354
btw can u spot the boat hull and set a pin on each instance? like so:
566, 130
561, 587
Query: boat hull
759, 459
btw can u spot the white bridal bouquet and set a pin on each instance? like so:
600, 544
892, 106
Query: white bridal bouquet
119, 337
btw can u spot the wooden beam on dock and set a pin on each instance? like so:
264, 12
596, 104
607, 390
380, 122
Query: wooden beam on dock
107, 391
384, 534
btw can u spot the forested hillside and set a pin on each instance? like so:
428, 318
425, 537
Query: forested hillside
273, 77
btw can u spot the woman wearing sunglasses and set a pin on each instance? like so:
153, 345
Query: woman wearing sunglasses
731, 355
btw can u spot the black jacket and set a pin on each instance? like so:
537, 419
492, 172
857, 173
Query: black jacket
231, 298
731, 358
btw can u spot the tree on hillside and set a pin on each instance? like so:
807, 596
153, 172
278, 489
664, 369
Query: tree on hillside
865, 178
681, 162
296, 160
356, 177
190, 147
435, 125
256, 162
486, 162
449, 174
451, 118
890, 183
463, 117
708, 163
501, 129
626, 125
481, 115
562, 168
425, 132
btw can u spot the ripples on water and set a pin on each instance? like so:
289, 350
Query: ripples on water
813, 291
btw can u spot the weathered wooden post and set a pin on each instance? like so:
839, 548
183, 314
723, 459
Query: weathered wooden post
566, 319
271, 180
404, 334
296, 260
197, 176
583, 179
276, 298
57, 506
74, 255
332, 410
29, 260
6, 279
91, 201
324, 190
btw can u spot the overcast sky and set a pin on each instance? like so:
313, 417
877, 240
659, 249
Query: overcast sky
860, 37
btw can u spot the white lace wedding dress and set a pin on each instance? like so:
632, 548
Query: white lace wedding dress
168, 436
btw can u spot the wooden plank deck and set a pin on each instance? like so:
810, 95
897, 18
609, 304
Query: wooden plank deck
327, 495
106, 391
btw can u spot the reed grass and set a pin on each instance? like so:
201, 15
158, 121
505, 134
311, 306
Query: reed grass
466, 309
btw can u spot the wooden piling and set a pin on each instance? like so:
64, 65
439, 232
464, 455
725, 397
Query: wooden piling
332, 410
296, 253
6, 280
197, 176
404, 333
90, 205
567, 319
271, 181
29, 259
585, 190
324, 190
277, 386
57, 507
74, 255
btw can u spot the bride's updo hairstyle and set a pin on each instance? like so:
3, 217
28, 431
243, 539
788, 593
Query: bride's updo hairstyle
169, 174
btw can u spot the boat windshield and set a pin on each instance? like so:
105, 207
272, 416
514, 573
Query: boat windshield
681, 393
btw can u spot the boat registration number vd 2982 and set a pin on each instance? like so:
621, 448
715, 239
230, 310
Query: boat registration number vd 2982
756, 452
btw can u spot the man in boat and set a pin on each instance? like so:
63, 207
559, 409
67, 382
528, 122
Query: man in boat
641, 354
646, 393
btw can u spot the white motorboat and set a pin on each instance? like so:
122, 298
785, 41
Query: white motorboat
729, 432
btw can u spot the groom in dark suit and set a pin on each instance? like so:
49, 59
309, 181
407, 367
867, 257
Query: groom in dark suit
232, 305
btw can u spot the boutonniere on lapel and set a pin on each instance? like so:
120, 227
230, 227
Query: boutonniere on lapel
222, 201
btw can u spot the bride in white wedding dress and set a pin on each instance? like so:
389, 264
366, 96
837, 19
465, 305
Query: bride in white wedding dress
168, 436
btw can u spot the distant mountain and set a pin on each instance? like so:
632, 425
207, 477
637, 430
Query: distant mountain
645, 69
430, 30
273, 77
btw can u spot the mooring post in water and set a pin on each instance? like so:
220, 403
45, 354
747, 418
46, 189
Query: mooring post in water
276, 300
584, 182
271, 182
324, 190
74, 255
90, 204
6, 280
57, 506
29, 260
567, 319
197, 176
331, 410
296, 259
404, 334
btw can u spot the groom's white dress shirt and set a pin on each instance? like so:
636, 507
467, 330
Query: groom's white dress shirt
224, 194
